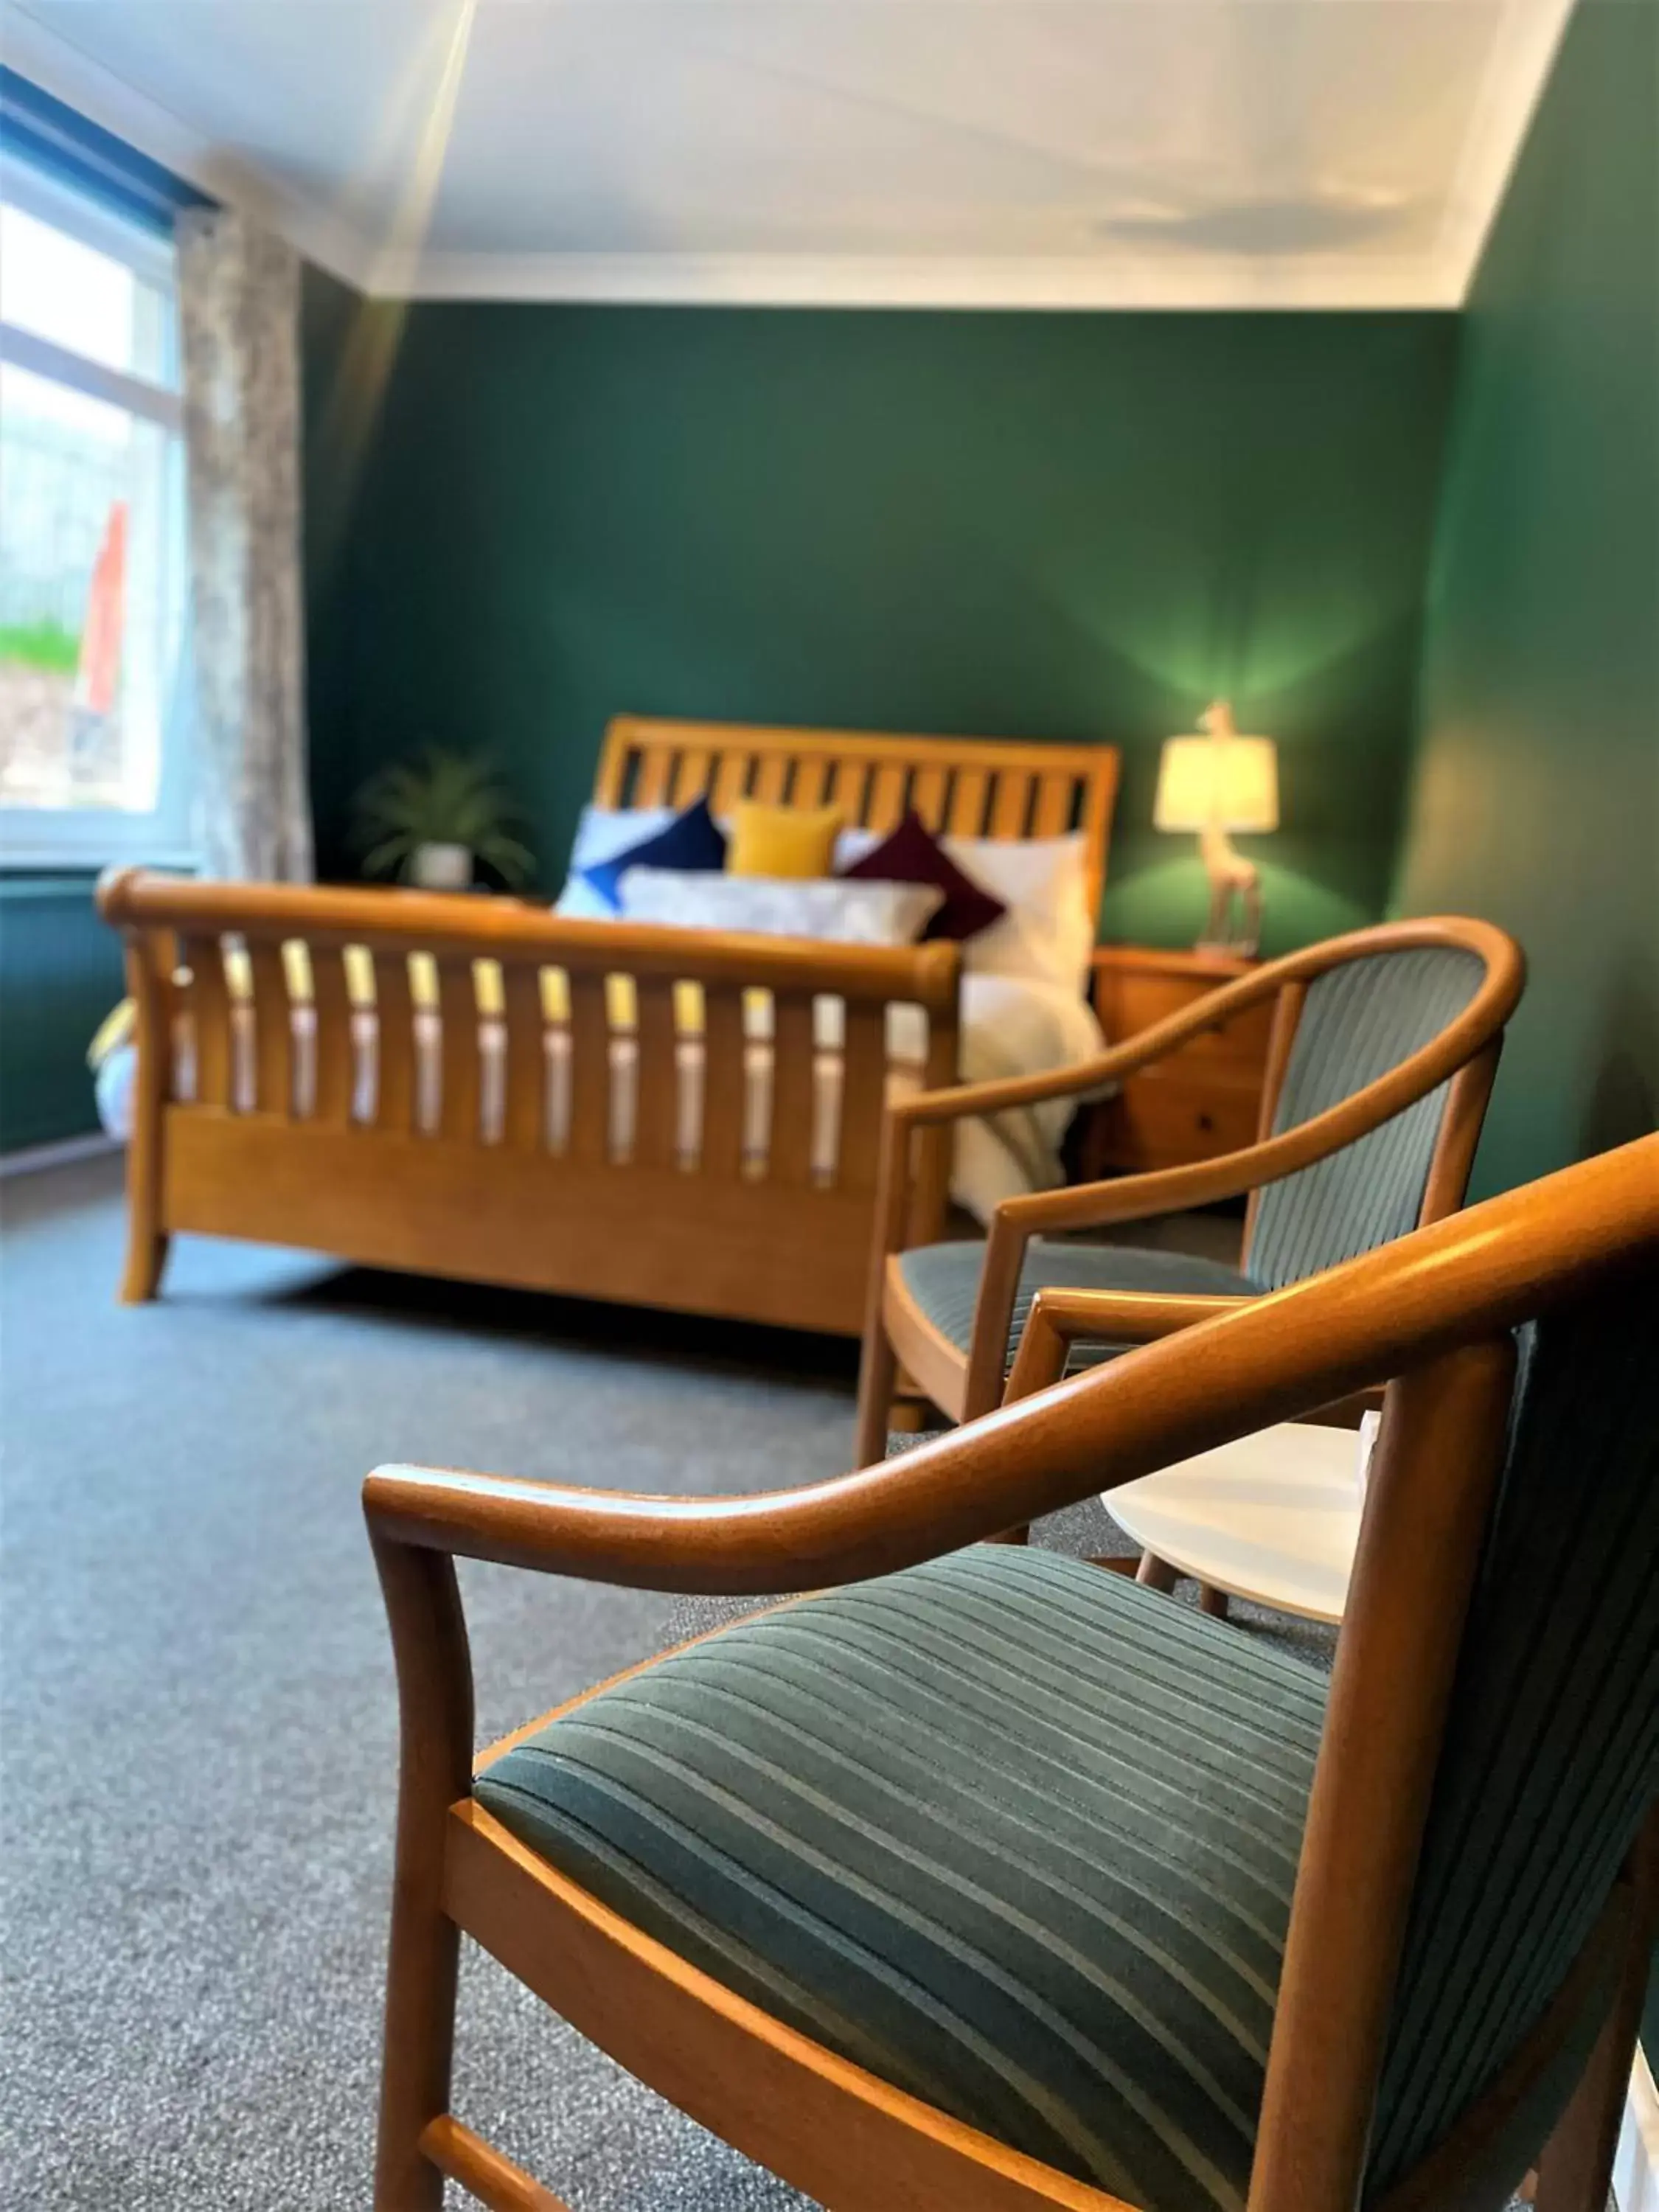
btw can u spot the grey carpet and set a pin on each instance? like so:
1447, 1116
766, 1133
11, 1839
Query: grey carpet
196, 1710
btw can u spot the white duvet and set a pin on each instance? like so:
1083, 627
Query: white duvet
1013, 1026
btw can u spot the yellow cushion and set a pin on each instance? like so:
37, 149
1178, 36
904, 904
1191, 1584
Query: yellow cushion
118, 1027
781, 841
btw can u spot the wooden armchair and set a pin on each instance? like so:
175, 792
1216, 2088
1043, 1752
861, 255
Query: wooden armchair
1384, 1047
1075, 1899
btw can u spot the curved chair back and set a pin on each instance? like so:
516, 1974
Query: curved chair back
1550, 1757
1352, 1024
1384, 1046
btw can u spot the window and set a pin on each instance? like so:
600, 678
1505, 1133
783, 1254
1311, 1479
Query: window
92, 554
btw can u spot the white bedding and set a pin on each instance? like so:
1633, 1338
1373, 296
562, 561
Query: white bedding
1015, 1025
1011, 1025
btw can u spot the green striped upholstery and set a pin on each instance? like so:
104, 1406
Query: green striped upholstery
1020, 1837
944, 1280
1012, 1834
1358, 1022
1552, 1745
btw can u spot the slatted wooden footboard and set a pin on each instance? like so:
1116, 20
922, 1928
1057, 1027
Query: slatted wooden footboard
469, 1087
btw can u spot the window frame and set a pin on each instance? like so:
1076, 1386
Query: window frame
94, 836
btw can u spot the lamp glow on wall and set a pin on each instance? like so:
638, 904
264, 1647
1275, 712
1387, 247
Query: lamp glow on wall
1214, 783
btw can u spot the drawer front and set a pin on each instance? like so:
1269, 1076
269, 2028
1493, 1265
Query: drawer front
1159, 1121
1128, 1003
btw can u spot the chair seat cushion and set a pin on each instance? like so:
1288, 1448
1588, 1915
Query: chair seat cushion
1007, 1830
944, 1280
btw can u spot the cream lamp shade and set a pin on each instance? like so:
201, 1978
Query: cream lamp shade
1232, 781
1214, 783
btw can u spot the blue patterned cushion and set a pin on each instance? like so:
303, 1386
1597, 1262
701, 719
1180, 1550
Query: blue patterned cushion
692, 840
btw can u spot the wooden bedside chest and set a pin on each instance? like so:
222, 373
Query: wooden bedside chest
1203, 1100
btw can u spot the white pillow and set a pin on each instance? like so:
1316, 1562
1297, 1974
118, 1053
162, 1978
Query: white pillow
851, 845
602, 832
771, 906
1048, 932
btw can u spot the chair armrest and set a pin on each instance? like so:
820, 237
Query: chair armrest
1122, 1198
1267, 1359
1166, 1190
1136, 1198
1060, 1318
1155, 1191
964, 1101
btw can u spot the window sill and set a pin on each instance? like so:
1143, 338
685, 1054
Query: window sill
41, 861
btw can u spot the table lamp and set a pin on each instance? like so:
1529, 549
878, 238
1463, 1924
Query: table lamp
1214, 783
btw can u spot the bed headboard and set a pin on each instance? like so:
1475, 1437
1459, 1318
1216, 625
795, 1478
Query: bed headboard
970, 786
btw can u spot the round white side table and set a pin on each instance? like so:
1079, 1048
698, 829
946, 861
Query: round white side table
1273, 1517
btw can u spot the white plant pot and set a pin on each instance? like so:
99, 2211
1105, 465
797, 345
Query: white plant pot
442, 867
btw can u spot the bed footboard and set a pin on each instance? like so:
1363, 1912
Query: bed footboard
471, 1087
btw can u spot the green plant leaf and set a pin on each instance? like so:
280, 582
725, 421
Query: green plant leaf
440, 798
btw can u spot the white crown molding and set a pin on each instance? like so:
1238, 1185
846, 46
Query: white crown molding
1523, 51
802, 280
1523, 48
69, 74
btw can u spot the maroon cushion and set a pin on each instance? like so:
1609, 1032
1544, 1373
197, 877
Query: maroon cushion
912, 855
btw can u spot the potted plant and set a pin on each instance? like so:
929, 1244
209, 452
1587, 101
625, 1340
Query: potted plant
430, 821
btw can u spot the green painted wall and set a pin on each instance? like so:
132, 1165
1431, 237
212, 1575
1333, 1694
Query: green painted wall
60, 973
521, 519
1043, 526
1536, 791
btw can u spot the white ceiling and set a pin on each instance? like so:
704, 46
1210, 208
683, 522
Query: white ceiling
1049, 153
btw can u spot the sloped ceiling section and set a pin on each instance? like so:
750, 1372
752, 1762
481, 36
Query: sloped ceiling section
948, 153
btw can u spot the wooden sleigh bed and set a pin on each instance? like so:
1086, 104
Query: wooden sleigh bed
474, 1087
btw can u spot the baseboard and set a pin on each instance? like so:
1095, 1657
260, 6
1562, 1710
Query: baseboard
1636, 2164
29, 1160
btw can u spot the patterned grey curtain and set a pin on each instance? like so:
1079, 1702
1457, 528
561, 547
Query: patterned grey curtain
239, 294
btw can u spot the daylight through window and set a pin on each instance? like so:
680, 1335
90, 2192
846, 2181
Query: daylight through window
91, 529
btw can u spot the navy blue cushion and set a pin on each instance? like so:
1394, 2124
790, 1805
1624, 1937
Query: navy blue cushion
691, 841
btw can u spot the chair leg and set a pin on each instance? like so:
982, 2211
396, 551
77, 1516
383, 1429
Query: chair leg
907, 1414
420, 2034
147, 1241
1575, 2168
1155, 1573
878, 1373
434, 1698
1213, 1602
147, 1256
